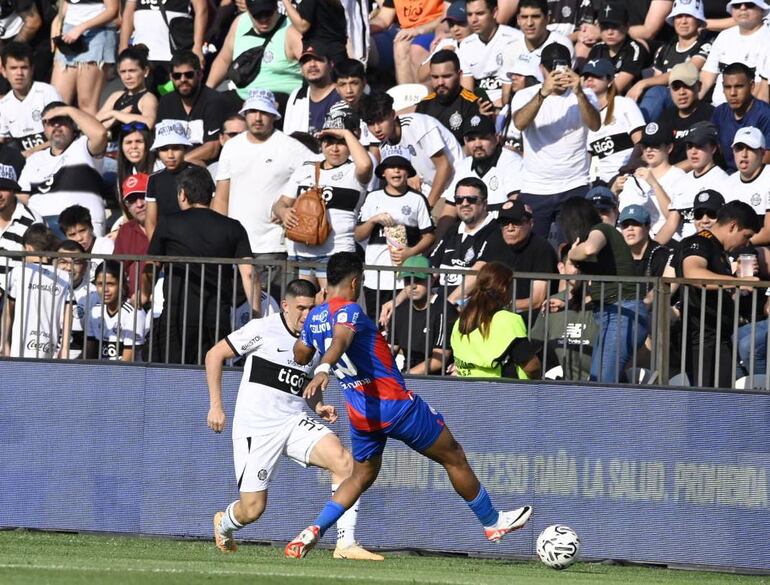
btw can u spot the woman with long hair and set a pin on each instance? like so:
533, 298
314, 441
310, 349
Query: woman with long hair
134, 103
622, 120
489, 340
134, 154
619, 310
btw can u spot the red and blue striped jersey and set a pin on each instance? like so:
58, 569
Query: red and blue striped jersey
374, 389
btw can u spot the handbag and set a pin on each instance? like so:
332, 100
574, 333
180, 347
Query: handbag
71, 49
245, 68
312, 217
181, 30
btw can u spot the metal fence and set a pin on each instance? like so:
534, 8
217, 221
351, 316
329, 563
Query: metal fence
173, 309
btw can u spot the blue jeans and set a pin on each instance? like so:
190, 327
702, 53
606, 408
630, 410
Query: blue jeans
621, 333
760, 347
654, 101
546, 208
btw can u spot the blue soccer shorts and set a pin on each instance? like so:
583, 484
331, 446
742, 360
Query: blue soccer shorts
418, 427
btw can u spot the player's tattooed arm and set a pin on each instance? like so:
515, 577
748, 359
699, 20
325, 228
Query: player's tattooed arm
215, 357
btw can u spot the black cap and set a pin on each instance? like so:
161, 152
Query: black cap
342, 117
554, 52
478, 124
655, 134
602, 198
515, 211
258, 6
9, 177
708, 199
702, 133
613, 13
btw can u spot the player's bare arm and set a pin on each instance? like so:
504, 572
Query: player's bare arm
215, 358
341, 340
303, 353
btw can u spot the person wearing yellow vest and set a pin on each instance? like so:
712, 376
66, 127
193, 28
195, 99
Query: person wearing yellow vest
488, 340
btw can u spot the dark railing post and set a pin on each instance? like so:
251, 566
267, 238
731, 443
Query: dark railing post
663, 327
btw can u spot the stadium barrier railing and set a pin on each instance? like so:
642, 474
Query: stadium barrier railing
661, 360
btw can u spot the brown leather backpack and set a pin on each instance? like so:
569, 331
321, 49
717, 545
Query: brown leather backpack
313, 220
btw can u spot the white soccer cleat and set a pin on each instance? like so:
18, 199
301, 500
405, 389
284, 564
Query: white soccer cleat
508, 522
223, 540
355, 552
301, 545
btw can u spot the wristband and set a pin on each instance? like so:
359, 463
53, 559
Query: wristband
540, 93
322, 369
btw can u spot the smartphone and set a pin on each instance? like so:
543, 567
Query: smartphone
560, 65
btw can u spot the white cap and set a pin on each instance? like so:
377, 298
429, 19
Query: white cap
261, 100
169, 132
751, 137
692, 8
527, 67
758, 3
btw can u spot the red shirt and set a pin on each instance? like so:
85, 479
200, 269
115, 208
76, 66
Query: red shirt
132, 241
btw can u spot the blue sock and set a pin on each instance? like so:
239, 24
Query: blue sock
483, 508
331, 512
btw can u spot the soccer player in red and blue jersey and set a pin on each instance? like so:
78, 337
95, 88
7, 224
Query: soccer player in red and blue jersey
379, 407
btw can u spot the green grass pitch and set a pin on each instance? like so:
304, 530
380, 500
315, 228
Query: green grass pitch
38, 558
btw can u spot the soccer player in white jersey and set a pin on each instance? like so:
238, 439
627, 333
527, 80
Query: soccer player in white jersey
481, 54
20, 109
433, 149
270, 419
751, 184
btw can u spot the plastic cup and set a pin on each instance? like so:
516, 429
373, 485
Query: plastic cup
746, 265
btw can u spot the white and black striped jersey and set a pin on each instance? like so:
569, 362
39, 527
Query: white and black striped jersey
501, 179
116, 331
271, 387
85, 298
683, 199
57, 182
484, 61
21, 120
10, 237
611, 144
424, 136
343, 194
410, 210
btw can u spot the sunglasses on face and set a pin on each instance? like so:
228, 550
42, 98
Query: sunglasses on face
503, 223
132, 126
57, 121
701, 213
131, 199
231, 134
628, 224
469, 199
177, 75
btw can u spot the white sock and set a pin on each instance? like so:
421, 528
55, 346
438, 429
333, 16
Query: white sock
346, 525
229, 524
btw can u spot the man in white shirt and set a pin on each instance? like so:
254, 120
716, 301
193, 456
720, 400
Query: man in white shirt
433, 148
554, 118
20, 108
481, 54
68, 171
254, 168
747, 42
532, 20
751, 184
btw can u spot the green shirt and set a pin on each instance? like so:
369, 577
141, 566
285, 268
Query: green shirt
614, 259
482, 357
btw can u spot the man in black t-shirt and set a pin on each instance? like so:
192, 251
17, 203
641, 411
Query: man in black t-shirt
705, 256
650, 257
449, 102
471, 242
530, 253
629, 56
203, 110
413, 324
197, 298
688, 110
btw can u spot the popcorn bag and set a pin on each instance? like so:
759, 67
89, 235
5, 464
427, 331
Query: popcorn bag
395, 237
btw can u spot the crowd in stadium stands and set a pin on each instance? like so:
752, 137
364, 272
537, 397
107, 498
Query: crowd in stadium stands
608, 138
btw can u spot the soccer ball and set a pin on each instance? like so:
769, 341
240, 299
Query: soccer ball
558, 546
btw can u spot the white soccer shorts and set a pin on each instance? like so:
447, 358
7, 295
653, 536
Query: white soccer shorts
256, 457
